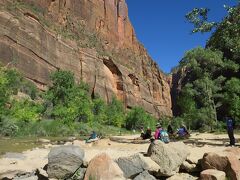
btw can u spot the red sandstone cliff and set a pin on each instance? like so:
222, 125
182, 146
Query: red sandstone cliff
92, 38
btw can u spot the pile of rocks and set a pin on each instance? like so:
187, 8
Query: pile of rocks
162, 161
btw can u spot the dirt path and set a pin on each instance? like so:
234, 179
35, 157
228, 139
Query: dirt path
30, 160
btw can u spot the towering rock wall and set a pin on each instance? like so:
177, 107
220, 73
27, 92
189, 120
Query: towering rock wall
92, 38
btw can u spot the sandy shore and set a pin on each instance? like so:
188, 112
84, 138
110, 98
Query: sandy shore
32, 159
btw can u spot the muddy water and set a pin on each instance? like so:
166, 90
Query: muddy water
18, 145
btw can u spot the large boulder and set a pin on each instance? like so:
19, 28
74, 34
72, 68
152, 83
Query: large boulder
103, 167
137, 163
182, 176
168, 156
233, 150
144, 176
212, 174
63, 161
214, 161
233, 168
226, 162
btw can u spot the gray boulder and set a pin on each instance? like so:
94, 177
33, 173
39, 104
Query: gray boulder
168, 156
63, 161
132, 165
144, 176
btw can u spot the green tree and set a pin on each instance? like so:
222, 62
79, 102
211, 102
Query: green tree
11, 82
232, 97
81, 103
138, 117
70, 101
115, 113
100, 111
25, 111
199, 18
62, 85
202, 90
187, 104
227, 36
3, 90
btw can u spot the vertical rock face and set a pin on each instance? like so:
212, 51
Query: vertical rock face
92, 38
179, 79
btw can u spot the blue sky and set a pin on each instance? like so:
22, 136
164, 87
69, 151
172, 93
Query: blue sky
161, 27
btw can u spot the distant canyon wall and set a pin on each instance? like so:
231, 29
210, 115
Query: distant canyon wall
41, 36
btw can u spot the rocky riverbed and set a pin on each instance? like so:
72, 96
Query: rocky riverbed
186, 158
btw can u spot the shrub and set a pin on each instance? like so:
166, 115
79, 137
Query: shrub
165, 121
100, 111
25, 111
53, 128
29, 88
8, 127
115, 113
62, 84
68, 101
176, 122
137, 117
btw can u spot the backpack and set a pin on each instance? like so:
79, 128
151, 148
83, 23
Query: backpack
164, 136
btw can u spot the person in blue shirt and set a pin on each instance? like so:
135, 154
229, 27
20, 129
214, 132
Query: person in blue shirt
93, 137
182, 132
230, 128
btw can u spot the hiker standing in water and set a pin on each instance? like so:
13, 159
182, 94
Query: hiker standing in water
230, 128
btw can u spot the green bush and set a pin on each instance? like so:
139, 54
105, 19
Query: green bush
68, 103
176, 122
137, 117
100, 111
67, 100
44, 128
9, 84
115, 113
29, 88
165, 121
8, 127
26, 111
62, 85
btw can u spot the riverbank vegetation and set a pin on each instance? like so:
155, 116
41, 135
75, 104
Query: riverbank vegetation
65, 109
210, 77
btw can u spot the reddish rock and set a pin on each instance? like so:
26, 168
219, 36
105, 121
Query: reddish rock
214, 161
234, 150
37, 49
103, 167
233, 168
212, 174
226, 162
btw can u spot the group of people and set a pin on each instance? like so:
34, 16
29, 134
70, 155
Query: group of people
182, 132
164, 135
